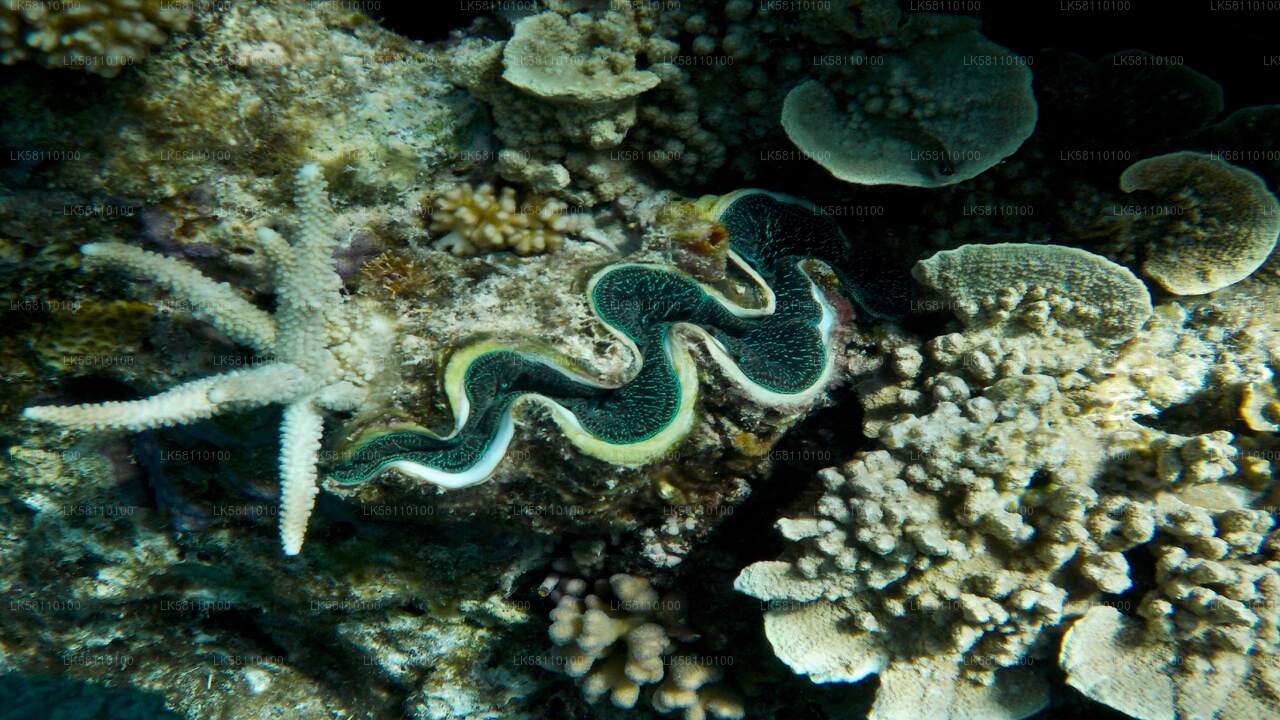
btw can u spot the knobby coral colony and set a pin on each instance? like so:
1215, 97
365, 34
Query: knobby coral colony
778, 353
330, 351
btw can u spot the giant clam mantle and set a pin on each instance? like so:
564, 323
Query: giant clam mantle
330, 353
778, 353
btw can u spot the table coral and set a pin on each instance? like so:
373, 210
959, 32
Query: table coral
576, 58
1220, 226
326, 350
950, 107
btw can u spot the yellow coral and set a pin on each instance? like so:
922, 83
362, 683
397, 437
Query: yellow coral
1260, 406
100, 36
480, 220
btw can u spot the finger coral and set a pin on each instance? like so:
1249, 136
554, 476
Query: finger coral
623, 638
479, 220
101, 36
1013, 489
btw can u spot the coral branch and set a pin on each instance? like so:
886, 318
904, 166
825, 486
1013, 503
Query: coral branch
299, 452
213, 302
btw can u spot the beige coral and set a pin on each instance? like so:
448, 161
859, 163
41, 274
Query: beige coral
1260, 406
1014, 485
481, 220
620, 638
1055, 285
100, 36
579, 58
945, 110
1221, 225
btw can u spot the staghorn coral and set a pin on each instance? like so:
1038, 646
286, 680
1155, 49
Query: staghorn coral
325, 350
100, 36
623, 637
1221, 227
478, 220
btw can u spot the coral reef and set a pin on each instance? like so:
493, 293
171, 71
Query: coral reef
214, 623
579, 59
778, 354
1011, 454
323, 352
100, 36
623, 637
500, 327
948, 109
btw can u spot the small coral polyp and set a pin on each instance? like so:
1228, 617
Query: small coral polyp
480, 220
779, 354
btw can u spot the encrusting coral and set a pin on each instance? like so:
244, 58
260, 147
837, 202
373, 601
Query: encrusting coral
322, 350
101, 36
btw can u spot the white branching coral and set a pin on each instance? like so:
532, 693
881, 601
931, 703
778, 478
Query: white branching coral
325, 349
